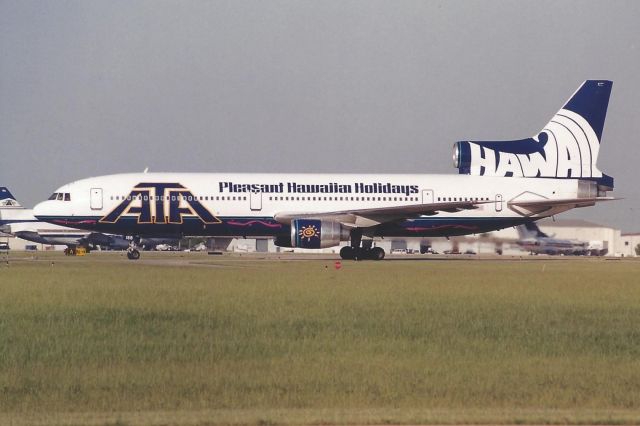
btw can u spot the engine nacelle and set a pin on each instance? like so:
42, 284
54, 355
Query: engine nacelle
315, 233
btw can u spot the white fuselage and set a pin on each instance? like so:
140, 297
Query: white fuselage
248, 204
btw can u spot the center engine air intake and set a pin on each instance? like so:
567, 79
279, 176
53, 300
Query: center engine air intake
462, 157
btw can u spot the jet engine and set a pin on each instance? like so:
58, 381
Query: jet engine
314, 234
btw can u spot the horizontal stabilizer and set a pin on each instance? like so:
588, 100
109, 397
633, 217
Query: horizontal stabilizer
535, 207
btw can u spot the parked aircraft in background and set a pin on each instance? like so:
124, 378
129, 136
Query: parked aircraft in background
500, 184
537, 242
20, 222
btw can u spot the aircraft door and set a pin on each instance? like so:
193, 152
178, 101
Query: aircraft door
427, 196
498, 202
255, 200
96, 199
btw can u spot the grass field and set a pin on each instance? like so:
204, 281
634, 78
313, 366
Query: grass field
191, 339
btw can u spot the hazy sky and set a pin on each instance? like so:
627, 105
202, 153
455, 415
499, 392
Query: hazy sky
99, 87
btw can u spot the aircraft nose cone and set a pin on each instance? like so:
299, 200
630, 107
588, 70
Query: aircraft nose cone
41, 210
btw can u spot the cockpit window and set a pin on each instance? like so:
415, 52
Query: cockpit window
61, 196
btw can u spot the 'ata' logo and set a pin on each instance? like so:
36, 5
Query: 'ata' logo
164, 203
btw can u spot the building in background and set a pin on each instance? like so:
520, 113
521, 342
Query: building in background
628, 244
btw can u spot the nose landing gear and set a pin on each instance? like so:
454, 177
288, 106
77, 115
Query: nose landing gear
132, 252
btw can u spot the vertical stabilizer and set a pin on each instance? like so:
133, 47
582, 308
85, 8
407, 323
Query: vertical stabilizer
532, 227
7, 200
567, 147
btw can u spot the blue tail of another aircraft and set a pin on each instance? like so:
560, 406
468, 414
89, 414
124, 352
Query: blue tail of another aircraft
7, 200
567, 147
530, 230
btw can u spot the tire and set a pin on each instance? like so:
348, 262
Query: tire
377, 253
347, 253
133, 254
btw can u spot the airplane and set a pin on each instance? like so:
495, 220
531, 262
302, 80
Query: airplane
20, 222
535, 241
498, 185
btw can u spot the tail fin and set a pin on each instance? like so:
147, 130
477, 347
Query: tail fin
533, 228
567, 147
7, 200
530, 230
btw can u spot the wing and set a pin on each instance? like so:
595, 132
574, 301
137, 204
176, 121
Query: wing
376, 216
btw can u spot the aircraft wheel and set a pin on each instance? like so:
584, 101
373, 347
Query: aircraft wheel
133, 254
377, 253
347, 253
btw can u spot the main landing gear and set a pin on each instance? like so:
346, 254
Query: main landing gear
361, 249
132, 252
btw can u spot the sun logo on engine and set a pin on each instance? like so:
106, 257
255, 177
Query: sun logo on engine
309, 232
